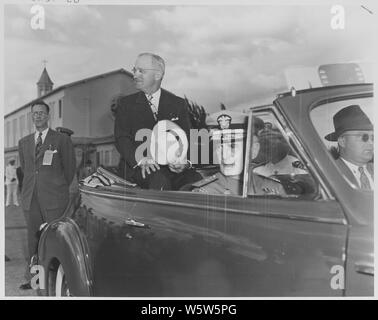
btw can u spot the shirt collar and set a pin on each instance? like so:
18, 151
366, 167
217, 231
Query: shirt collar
352, 167
44, 133
155, 97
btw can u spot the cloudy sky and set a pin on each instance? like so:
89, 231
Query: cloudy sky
230, 54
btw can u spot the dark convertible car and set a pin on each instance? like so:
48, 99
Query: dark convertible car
313, 239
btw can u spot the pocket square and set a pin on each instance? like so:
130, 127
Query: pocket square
174, 119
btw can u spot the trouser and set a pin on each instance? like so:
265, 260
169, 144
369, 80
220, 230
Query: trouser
35, 217
12, 193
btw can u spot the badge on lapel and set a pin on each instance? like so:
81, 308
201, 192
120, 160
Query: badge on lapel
48, 156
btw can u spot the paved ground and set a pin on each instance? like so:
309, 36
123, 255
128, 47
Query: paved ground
16, 250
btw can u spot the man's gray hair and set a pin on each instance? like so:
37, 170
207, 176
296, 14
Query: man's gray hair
159, 61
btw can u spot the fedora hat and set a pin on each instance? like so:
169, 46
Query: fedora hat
349, 118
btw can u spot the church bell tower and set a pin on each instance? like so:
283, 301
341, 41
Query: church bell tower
44, 84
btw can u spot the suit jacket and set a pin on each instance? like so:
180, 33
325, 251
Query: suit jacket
50, 181
349, 174
134, 113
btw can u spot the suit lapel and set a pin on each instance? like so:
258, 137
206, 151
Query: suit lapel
163, 104
30, 146
370, 168
141, 100
349, 174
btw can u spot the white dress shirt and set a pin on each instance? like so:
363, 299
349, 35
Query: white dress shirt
354, 168
155, 98
44, 133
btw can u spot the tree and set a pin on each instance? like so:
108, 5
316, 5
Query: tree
197, 114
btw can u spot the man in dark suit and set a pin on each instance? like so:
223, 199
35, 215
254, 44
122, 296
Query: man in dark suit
355, 138
141, 111
47, 159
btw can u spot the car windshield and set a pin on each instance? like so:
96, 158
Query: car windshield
346, 129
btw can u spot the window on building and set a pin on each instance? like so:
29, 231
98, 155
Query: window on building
22, 126
29, 122
98, 160
115, 157
52, 120
60, 109
107, 158
15, 131
7, 134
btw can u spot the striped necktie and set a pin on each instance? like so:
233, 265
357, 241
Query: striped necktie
152, 106
39, 144
365, 184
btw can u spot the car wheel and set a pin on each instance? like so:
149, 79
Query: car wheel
61, 285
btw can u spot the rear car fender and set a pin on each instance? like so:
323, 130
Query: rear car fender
62, 241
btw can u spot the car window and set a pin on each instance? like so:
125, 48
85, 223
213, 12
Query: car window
338, 125
275, 168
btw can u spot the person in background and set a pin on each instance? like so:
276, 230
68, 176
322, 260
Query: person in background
275, 156
11, 183
355, 139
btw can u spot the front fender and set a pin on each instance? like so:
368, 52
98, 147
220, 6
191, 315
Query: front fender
62, 240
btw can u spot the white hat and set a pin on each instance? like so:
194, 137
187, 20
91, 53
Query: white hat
169, 143
236, 118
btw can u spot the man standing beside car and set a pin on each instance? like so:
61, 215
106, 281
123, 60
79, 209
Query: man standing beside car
47, 159
355, 138
143, 110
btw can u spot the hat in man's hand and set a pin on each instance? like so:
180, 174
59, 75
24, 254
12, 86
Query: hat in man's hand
169, 144
347, 119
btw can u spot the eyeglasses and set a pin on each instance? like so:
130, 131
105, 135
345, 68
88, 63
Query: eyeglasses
363, 136
39, 113
141, 70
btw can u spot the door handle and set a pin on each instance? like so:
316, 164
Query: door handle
133, 223
364, 268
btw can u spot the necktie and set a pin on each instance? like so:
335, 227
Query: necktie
152, 106
365, 184
39, 144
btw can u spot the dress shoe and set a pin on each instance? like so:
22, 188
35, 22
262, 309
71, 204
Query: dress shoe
26, 286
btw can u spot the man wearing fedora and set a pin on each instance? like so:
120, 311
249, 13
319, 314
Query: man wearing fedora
355, 138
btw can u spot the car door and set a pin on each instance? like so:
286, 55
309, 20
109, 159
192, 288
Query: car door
190, 244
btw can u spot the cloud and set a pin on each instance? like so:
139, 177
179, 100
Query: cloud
241, 52
64, 24
230, 54
136, 25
